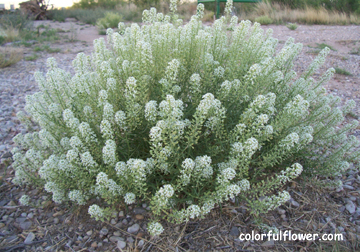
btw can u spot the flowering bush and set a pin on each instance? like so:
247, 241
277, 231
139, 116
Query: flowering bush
184, 117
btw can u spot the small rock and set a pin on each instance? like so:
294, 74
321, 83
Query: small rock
350, 206
121, 244
349, 187
124, 221
133, 229
30, 215
2, 225
121, 214
117, 233
140, 243
342, 209
106, 240
113, 221
11, 203
234, 231
94, 245
116, 239
139, 217
6, 155
281, 211
144, 205
294, 203
130, 239
100, 244
2, 147
29, 238
139, 210
89, 233
58, 213
56, 220
25, 225
268, 243
104, 231
23, 214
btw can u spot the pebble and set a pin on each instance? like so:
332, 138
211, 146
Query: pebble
350, 206
349, 187
294, 203
234, 231
116, 239
25, 225
2, 225
30, 237
139, 210
139, 217
56, 220
30, 215
268, 243
133, 229
113, 221
117, 233
140, 243
89, 233
121, 214
124, 221
94, 245
121, 244
104, 231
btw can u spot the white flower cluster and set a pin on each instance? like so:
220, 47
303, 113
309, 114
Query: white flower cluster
25, 200
105, 184
78, 196
290, 173
96, 212
109, 152
130, 198
289, 141
274, 201
162, 196
155, 228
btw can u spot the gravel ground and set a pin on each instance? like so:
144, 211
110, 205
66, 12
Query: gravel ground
52, 227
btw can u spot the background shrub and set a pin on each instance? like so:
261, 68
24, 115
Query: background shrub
264, 20
111, 20
183, 117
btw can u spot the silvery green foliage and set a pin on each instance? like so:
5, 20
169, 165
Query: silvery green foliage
184, 117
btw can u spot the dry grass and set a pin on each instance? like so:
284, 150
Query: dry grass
282, 14
9, 33
10, 56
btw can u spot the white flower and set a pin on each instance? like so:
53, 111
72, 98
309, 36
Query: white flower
129, 198
219, 72
193, 211
188, 164
228, 173
87, 160
109, 152
120, 119
172, 69
96, 212
155, 228
155, 133
25, 200
151, 111
289, 141
166, 191
78, 196
106, 129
